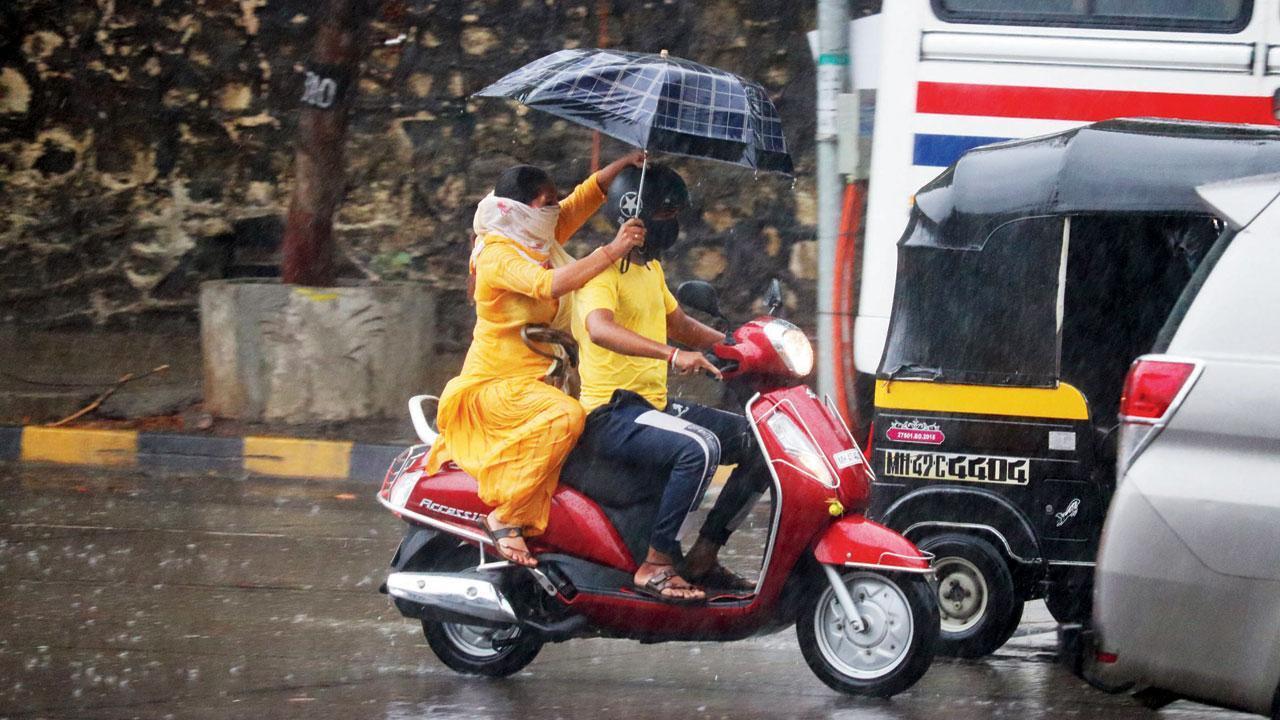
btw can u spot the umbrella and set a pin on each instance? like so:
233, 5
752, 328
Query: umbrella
655, 102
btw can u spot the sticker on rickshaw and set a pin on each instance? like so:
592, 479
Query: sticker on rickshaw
915, 431
956, 467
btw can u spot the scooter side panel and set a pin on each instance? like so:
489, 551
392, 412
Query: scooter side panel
858, 541
631, 616
576, 527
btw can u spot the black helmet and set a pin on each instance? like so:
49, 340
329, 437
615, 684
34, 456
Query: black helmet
664, 194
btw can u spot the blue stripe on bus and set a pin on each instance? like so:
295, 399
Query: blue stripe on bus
942, 150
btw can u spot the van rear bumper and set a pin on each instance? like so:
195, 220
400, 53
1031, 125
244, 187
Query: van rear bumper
1173, 623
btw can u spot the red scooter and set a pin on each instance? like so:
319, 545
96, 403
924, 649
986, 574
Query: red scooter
859, 594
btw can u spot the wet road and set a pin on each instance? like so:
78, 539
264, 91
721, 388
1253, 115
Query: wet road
128, 595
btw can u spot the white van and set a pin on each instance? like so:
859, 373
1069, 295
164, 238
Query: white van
1188, 579
956, 74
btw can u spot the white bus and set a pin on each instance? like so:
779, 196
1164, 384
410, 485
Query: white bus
956, 74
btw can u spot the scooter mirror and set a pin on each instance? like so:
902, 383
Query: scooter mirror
773, 296
700, 296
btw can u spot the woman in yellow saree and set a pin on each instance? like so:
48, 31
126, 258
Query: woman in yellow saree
498, 420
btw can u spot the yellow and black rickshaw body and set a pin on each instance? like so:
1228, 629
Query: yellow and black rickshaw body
1031, 274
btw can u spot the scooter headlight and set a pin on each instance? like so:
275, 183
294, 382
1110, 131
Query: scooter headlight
791, 345
799, 446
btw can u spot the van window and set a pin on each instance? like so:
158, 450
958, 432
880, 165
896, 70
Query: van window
1201, 15
1125, 274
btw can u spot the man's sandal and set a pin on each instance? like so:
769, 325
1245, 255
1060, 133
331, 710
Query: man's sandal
506, 552
720, 577
668, 579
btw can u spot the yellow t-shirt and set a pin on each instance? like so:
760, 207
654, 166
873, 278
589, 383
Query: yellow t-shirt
640, 302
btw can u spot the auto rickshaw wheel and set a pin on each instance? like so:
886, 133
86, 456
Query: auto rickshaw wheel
979, 606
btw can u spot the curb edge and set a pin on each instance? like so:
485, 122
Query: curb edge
256, 455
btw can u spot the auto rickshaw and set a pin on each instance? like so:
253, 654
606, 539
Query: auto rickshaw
1031, 274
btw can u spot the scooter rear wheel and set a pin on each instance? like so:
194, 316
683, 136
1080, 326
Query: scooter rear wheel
475, 649
479, 650
895, 646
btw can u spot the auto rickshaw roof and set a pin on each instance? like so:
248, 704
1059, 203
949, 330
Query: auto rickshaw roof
1115, 166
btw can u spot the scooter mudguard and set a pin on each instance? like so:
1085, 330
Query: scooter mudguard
858, 542
416, 539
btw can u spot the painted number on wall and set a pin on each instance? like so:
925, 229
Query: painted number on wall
319, 91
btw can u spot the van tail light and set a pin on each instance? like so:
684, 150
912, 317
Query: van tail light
1154, 388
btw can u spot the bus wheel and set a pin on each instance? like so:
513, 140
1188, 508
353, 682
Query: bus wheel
976, 598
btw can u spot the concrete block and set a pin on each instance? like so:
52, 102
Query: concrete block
370, 462
297, 457
10, 443
283, 353
190, 453
79, 446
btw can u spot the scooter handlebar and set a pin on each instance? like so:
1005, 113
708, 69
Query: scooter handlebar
724, 365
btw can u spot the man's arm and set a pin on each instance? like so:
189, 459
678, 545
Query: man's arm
689, 331
608, 334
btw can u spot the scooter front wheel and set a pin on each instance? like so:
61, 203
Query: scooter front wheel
892, 648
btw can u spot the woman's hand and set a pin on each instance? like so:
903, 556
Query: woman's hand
606, 175
630, 236
576, 274
635, 158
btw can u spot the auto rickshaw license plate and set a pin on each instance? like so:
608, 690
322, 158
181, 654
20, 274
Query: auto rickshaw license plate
957, 467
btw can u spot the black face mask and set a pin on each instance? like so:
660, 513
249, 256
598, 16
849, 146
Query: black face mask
659, 236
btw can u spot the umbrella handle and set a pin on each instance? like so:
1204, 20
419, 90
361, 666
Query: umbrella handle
644, 165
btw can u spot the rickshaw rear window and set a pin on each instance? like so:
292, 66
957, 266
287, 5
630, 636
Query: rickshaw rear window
985, 316
1202, 15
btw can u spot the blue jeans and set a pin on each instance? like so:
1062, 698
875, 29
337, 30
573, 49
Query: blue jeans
676, 450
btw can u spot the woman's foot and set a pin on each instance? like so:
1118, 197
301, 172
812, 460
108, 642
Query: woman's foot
661, 581
508, 542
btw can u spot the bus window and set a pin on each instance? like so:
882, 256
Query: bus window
1201, 15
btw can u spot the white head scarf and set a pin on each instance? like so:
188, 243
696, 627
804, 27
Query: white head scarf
532, 228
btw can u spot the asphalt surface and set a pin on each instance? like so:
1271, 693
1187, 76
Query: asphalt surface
158, 596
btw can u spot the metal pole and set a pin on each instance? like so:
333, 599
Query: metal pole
833, 70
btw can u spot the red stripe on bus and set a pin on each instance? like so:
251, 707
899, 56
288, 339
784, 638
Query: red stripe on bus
1087, 105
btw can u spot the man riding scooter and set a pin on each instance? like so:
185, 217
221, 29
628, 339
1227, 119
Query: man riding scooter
623, 319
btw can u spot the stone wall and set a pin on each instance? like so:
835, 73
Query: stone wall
145, 145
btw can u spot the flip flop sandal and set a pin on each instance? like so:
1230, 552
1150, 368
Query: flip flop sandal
505, 552
722, 578
665, 580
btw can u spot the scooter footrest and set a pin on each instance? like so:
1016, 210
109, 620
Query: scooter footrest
584, 575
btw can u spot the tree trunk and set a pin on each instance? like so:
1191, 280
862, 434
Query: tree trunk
329, 90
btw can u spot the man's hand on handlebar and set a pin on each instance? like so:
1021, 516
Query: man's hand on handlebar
687, 361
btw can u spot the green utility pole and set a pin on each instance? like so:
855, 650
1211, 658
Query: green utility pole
833, 72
